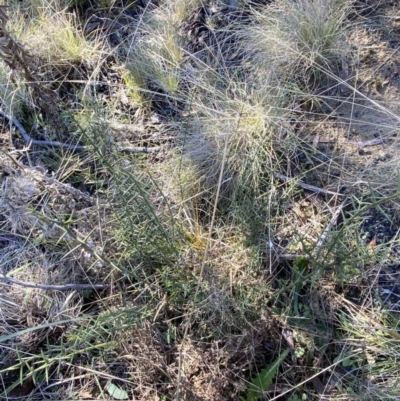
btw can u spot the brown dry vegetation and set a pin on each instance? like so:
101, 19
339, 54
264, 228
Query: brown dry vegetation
199, 200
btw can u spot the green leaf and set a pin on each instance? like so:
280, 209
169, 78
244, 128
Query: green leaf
264, 379
301, 265
294, 397
299, 352
116, 392
347, 362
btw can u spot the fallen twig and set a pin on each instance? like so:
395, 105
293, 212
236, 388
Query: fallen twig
64, 287
321, 389
287, 334
39, 175
316, 139
140, 149
290, 256
331, 223
307, 186
6, 301
372, 142
78, 148
29, 140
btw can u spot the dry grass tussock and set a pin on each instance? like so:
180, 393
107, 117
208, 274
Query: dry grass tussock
223, 222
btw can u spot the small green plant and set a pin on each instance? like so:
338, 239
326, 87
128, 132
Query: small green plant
116, 392
135, 84
264, 379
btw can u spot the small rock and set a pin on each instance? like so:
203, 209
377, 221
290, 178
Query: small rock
155, 119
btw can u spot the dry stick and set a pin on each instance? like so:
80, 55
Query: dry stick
290, 256
6, 301
307, 186
29, 140
333, 365
328, 228
371, 142
332, 221
42, 178
63, 287
80, 148
140, 149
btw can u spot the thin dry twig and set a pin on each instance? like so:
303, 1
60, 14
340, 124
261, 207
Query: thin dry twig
331, 223
37, 142
64, 287
321, 389
287, 334
290, 256
77, 148
372, 142
311, 378
140, 149
309, 187
38, 174
6, 301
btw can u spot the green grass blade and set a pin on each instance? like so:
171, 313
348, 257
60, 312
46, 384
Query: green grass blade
264, 379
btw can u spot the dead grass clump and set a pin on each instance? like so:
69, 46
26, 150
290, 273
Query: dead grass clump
24, 67
374, 370
209, 369
28, 314
306, 37
232, 139
155, 52
17, 192
56, 36
63, 44
35, 204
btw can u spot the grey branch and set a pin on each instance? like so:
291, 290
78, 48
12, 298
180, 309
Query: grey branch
331, 223
140, 149
303, 185
6, 301
64, 287
80, 148
29, 140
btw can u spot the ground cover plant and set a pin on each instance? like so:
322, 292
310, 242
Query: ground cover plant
199, 200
